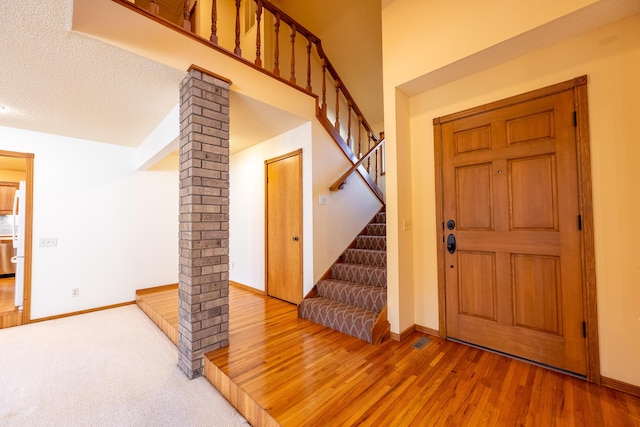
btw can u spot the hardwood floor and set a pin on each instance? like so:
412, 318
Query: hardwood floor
9, 315
161, 305
6, 294
281, 370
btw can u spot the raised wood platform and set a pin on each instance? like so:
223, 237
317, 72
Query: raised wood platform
281, 370
161, 305
9, 314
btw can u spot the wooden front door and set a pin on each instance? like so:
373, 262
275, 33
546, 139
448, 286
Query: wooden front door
284, 227
510, 199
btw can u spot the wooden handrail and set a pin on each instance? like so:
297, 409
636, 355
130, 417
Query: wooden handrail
340, 181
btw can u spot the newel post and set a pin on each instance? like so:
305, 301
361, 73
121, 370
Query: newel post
204, 219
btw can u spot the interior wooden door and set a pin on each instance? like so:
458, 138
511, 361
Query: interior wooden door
510, 200
284, 227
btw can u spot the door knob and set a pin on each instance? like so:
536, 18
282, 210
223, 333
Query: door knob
451, 243
295, 238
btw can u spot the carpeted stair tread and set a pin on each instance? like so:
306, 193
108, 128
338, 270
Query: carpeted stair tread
375, 229
364, 296
360, 273
351, 320
378, 243
366, 257
353, 297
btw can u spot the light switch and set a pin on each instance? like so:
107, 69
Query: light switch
322, 200
48, 242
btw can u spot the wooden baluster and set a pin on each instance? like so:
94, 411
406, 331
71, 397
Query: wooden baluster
276, 59
324, 86
337, 82
214, 23
349, 104
375, 177
360, 136
309, 63
368, 148
237, 49
383, 166
186, 22
258, 61
154, 8
292, 79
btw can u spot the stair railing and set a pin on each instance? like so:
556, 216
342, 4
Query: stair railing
300, 62
340, 182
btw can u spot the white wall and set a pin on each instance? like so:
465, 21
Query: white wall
346, 211
246, 207
327, 229
117, 228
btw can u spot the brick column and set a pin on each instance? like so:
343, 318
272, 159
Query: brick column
204, 219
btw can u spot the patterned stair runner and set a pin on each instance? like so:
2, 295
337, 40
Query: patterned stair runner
352, 298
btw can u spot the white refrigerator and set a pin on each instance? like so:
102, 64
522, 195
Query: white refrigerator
17, 230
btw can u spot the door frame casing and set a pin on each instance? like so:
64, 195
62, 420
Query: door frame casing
583, 155
297, 152
28, 233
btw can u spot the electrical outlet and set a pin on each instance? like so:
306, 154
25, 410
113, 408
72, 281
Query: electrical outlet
75, 292
48, 242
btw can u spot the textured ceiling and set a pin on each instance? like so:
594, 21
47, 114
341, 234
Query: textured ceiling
63, 82
59, 81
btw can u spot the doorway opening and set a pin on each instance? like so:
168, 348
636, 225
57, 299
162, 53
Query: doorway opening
16, 196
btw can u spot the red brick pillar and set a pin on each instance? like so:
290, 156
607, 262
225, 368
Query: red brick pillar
204, 219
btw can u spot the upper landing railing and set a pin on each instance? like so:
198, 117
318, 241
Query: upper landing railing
260, 34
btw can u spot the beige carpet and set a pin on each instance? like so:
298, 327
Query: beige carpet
108, 368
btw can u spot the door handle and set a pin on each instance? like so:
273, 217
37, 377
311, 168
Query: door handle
295, 238
451, 243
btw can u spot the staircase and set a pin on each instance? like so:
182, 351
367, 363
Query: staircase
353, 298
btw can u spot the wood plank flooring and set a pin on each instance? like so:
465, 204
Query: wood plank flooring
281, 370
161, 305
9, 314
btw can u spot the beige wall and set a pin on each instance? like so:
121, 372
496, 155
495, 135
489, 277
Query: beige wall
610, 56
421, 36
